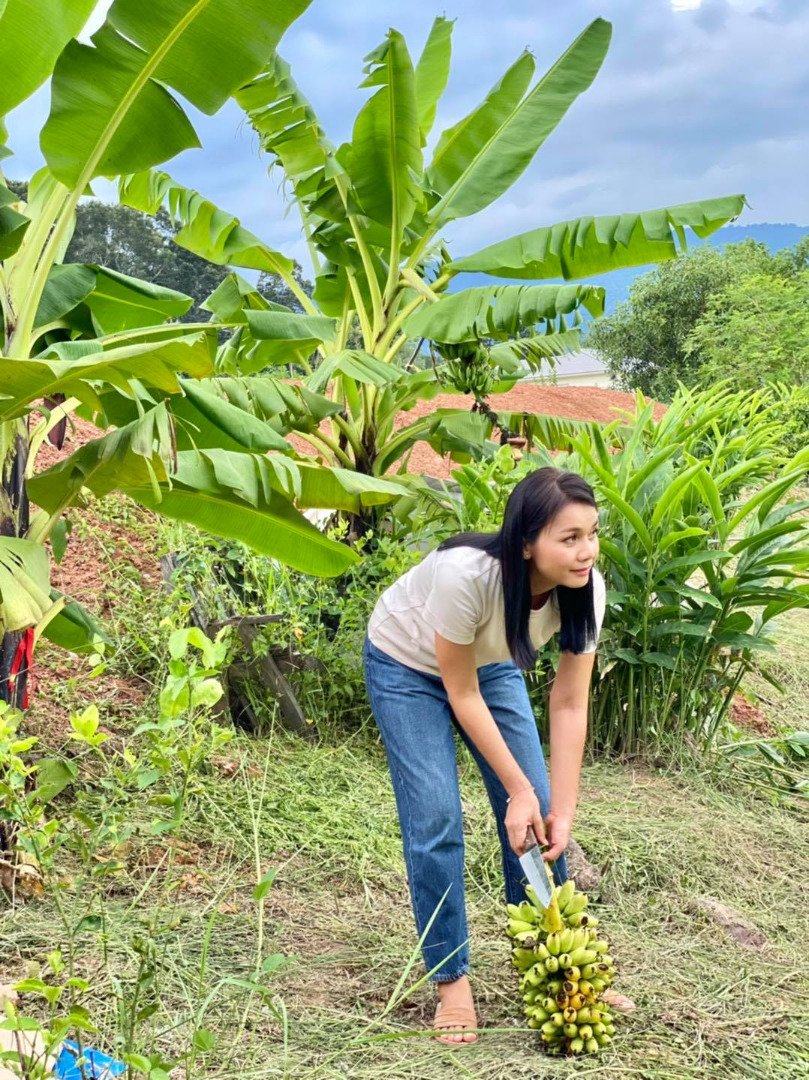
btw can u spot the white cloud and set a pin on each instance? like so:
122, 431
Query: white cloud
685, 5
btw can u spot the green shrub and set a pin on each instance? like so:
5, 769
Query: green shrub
701, 549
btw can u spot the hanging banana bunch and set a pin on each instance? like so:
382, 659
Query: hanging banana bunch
564, 972
468, 369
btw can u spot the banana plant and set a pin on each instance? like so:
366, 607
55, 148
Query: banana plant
374, 212
73, 333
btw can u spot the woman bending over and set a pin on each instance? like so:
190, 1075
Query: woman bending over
446, 647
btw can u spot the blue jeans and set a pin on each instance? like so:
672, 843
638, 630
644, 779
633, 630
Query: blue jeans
414, 717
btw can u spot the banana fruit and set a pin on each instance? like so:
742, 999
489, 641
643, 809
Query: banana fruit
564, 973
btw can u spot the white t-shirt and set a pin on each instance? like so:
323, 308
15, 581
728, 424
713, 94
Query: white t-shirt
458, 593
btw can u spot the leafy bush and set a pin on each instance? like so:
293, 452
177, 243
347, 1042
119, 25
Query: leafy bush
321, 619
700, 550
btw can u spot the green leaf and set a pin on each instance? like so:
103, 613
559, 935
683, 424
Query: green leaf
593, 245
264, 885
230, 495
674, 493
356, 364
205, 419
695, 558
432, 73
289, 131
344, 489
153, 363
116, 301
497, 161
207, 231
512, 356
500, 310
632, 517
74, 628
686, 629
674, 537
111, 112
384, 161
112, 463
311, 330
92, 924
206, 693
458, 145
24, 583
53, 775
204, 1040
661, 660
12, 223
31, 42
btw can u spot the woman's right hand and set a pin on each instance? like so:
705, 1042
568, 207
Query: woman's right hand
524, 821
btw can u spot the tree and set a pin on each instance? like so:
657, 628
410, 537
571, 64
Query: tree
645, 342
755, 331
273, 287
374, 212
73, 332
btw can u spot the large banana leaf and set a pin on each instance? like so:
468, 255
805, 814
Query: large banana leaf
385, 156
500, 310
78, 362
209, 232
458, 145
432, 73
512, 356
24, 583
280, 406
23, 23
358, 365
111, 111
129, 456
233, 298
115, 301
594, 245
458, 432
251, 476
204, 418
492, 164
231, 495
289, 130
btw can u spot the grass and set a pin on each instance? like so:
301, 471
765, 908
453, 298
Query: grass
790, 710
322, 815
707, 1007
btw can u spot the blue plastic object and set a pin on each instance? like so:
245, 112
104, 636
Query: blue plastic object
95, 1066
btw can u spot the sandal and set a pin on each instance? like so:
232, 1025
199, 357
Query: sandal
455, 1021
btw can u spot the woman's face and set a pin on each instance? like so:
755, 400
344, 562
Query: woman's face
564, 552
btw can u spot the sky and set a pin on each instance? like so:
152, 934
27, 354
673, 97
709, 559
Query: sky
696, 98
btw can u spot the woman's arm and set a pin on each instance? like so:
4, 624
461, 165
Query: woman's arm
568, 717
459, 675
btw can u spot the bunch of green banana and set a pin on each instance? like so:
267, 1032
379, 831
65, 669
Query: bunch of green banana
564, 971
468, 368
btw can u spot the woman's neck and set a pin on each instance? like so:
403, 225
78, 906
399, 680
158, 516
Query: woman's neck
540, 586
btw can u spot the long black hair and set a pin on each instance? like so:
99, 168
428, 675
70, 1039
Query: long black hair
532, 505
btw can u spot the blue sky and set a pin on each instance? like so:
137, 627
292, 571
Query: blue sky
696, 98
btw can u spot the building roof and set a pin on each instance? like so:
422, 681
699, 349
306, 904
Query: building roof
581, 362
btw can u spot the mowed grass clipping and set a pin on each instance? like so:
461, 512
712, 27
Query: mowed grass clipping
323, 816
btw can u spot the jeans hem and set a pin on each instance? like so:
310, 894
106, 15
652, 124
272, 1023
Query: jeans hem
444, 977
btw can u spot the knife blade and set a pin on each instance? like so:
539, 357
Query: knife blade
535, 869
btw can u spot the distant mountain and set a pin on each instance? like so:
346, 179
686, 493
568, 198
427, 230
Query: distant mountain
617, 282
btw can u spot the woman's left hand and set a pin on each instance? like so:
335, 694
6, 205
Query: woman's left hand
557, 832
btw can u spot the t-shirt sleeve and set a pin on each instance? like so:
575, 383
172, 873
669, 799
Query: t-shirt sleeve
599, 607
453, 606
